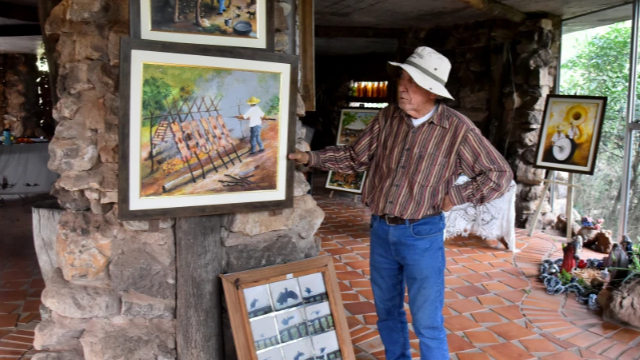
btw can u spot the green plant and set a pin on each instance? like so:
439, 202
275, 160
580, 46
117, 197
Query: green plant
565, 277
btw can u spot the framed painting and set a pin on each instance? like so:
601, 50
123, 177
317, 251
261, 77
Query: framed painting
352, 183
352, 122
570, 133
288, 312
204, 130
242, 23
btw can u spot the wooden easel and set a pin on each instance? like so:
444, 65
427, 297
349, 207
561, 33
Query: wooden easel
569, 208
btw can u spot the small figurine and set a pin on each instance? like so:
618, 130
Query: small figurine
568, 260
626, 243
582, 264
578, 240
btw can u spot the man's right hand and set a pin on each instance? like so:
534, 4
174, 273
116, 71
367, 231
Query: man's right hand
300, 157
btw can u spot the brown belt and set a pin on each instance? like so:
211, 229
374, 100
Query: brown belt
395, 220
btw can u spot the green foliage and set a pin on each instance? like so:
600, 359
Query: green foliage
564, 277
186, 91
601, 68
349, 118
212, 29
274, 106
155, 92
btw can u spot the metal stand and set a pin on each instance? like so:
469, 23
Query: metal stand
569, 208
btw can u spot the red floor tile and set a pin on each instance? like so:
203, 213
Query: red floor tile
511, 331
460, 323
361, 307
470, 290
457, 343
507, 351
539, 345
482, 337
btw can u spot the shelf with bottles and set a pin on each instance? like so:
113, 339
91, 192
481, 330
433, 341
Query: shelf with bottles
371, 91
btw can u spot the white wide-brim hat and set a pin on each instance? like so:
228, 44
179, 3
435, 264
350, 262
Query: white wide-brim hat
429, 69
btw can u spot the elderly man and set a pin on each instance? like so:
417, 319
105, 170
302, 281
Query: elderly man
414, 152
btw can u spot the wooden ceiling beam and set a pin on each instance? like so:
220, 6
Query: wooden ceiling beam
497, 9
19, 12
358, 32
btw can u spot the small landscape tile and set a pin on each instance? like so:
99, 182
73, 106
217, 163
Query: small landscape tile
350, 297
566, 332
350, 275
485, 258
586, 354
360, 284
14, 345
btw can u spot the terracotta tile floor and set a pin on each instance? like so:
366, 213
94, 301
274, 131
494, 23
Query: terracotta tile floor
20, 280
495, 307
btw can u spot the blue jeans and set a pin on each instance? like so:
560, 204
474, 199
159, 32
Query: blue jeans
255, 138
411, 254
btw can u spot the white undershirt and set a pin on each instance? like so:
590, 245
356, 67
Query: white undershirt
417, 122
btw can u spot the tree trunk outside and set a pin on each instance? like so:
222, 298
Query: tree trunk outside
151, 139
198, 15
177, 12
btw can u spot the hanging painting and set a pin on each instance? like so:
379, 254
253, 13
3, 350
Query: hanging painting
243, 23
302, 317
570, 133
204, 131
352, 123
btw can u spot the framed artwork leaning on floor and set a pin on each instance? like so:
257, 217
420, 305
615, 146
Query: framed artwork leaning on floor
204, 130
288, 312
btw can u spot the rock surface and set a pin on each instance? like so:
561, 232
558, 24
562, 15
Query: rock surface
123, 338
624, 304
77, 301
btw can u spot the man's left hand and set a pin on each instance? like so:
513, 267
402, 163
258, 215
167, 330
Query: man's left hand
447, 204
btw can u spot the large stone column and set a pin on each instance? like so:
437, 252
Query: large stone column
113, 293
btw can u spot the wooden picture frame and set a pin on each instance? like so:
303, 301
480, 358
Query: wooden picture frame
570, 133
198, 133
277, 298
242, 24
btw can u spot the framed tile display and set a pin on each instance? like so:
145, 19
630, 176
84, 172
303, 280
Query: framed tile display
288, 312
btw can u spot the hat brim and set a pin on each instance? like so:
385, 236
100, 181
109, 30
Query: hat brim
423, 80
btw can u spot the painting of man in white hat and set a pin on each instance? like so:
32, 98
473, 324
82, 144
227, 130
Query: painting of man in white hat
255, 115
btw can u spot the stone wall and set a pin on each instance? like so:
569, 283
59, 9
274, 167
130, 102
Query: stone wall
19, 93
113, 293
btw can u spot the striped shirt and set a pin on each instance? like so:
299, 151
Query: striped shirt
411, 169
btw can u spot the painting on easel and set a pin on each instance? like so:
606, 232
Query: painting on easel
570, 133
206, 131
